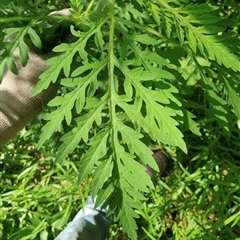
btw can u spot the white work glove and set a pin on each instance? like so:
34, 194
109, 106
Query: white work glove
89, 224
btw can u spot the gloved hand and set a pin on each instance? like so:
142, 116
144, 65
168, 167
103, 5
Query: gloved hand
17, 108
89, 223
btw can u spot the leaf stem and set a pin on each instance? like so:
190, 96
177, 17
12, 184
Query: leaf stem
111, 65
17, 19
89, 7
111, 89
148, 30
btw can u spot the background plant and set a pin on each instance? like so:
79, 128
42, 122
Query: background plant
139, 73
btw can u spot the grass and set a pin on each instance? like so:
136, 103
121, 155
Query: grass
199, 199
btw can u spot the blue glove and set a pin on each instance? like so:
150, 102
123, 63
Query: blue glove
88, 224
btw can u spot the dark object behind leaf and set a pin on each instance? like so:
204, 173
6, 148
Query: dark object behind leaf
163, 161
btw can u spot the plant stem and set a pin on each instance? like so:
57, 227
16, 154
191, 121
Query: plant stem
89, 7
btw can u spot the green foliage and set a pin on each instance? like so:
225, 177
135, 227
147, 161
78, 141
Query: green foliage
38, 196
137, 73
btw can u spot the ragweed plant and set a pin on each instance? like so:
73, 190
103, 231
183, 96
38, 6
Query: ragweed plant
125, 81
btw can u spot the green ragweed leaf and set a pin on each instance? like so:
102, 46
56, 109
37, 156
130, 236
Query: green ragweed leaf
35, 38
131, 139
23, 50
195, 22
101, 175
233, 95
81, 131
97, 151
101, 10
